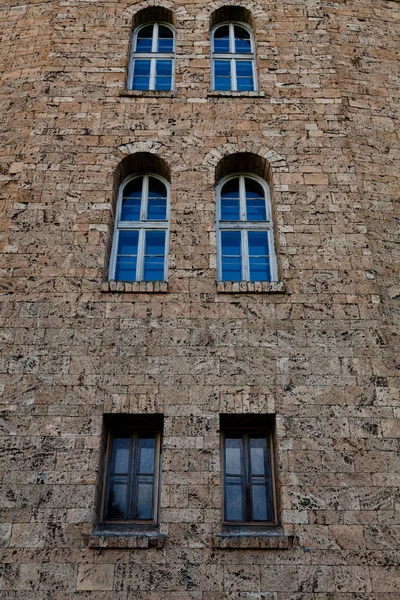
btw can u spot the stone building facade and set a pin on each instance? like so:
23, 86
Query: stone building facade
316, 350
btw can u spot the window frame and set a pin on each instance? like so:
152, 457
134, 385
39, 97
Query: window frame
233, 56
134, 432
246, 432
244, 226
153, 56
142, 225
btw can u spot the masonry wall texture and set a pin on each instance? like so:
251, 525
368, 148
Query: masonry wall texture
321, 352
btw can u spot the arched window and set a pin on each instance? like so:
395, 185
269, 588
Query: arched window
153, 56
233, 58
140, 244
245, 238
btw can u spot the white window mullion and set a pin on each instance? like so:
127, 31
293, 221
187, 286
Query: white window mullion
145, 197
152, 82
231, 39
166, 252
154, 41
140, 256
233, 75
242, 198
245, 256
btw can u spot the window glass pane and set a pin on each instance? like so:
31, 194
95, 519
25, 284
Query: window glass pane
116, 505
244, 75
259, 256
234, 499
222, 75
146, 458
258, 456
231, 255
132, 196
259, 501
154, 256
258, 243
165, 39
242, 40
144, 39
128, 243
233, 456
125, 269
230, 208
144, 497
141, 75
221, 39
163, 74
157, 201
120, 455
260, 269
255, 201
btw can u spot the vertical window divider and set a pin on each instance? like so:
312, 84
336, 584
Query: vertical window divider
131, 477
140, 255
245, 256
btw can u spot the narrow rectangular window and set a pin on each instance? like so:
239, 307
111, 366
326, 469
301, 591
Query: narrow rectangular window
248, 470
132, 467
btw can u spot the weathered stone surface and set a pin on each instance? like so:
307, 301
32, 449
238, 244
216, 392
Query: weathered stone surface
319, 348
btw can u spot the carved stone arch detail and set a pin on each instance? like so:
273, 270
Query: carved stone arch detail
177, 10
252, 7
276, 161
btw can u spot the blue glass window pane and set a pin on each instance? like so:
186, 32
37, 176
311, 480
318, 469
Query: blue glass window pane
242, 40
120, 456
258, 243
222, 68
234, 499
222, 75
154, 253
233, 456
258, 456
165, 39
230, 208
144, 497
128, 243
144, 39
221, 39
141, 75
259, 500
127, 256
157, 201
146, 457
132, 197
259, 269
244, 75
255, 201
231, 242
116, 505
259, 256
125, 269
163, 74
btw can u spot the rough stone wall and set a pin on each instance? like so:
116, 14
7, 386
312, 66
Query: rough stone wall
322, 354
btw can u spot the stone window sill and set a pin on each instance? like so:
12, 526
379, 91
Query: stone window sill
126, 539
255, 541
146, 287
222, 94
147, 93
251, 287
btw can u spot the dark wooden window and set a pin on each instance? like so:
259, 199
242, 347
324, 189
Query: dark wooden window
248, 473
132, 475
